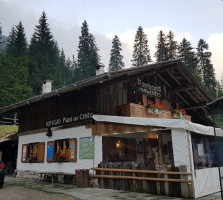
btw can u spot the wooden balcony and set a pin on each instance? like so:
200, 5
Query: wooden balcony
136, 110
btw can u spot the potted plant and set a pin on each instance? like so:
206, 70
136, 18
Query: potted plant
32, 158
156, 108
179, 113
59, 157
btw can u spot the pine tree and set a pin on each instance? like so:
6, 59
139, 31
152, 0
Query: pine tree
116, 58
44, 57
206, 68
187, 55
220, 86
141, 52
161, 48
0, 37
171, 46
14, 69
88, 58
65, 69
11, 42
17, 46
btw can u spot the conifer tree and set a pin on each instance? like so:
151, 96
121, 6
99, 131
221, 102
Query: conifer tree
171, 46
88, 58
187, 55
65, 69
220, 86
206, 68
14, 69
141, 52
11, 42
161, 48
44, 57
0, 37
18, 46
116, 58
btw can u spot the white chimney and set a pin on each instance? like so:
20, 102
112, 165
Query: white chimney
100, 69
47, 86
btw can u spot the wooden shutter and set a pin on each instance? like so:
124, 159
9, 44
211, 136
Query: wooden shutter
50, 151
73, 149
24, 154
41, 152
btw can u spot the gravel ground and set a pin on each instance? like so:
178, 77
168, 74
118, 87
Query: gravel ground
9, 192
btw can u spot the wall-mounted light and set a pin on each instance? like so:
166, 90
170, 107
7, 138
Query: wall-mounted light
118, 144
49, 132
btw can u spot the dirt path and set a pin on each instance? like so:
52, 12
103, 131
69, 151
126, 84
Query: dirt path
9, 192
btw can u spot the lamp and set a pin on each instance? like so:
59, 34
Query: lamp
49, 132
118, 144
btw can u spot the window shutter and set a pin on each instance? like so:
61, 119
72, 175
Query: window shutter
50, 151
41, 152
24, 153
73, 149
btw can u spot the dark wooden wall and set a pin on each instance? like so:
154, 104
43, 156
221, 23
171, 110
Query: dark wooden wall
97, 99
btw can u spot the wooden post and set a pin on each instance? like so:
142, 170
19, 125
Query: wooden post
134, 181
161, 161
101, 184
110, 181
186, 190
166, 184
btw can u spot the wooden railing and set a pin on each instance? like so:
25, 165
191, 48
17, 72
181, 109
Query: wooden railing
142, 172
169, 183
136, 110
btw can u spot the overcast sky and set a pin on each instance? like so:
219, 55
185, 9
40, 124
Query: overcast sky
192, 19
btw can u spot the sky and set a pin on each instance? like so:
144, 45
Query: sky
192, 19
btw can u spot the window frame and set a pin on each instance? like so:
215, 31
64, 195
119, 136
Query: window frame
57, 151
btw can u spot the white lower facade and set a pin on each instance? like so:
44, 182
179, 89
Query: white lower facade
66, 167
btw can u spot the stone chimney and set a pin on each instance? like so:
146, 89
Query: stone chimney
47, 86
100, 69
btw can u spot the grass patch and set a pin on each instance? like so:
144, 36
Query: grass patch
4, 129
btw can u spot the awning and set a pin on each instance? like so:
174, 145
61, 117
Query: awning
160, 122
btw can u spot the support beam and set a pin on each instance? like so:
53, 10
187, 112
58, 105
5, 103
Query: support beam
182, 88
184, 100
164, 80
194, 107
192, 97
174, 78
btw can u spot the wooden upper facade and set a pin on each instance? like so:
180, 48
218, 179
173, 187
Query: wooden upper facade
169, 83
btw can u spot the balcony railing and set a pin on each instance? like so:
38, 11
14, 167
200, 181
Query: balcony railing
136, 110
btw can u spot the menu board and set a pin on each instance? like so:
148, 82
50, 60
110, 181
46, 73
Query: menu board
86, 145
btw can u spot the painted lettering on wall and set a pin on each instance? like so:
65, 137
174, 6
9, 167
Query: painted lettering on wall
150, 90
68, 119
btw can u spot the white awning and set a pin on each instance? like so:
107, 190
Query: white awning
160, 122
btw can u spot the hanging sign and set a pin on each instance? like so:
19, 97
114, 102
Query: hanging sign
69, 119
150, 90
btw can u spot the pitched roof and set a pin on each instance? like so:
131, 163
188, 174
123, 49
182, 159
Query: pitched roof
173, 74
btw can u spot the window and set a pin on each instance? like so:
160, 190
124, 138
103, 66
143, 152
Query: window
116, 149
33, 152
62, 150
204, 151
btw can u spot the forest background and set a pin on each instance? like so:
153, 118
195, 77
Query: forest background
24, 65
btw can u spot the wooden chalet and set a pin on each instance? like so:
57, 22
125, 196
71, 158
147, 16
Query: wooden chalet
128, 127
